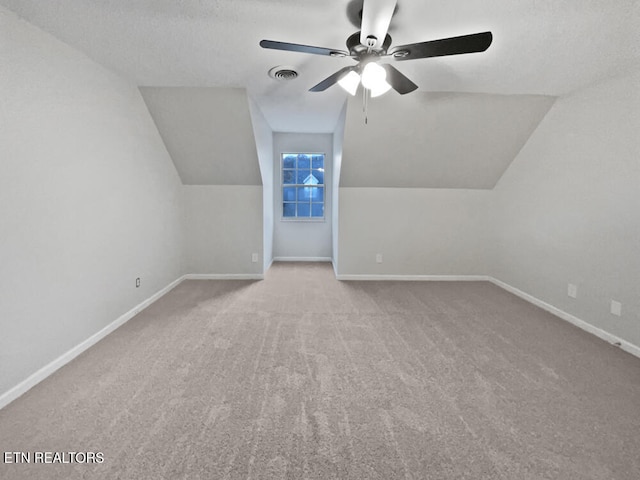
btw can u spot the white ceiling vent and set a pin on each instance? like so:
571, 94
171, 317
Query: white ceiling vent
283, 73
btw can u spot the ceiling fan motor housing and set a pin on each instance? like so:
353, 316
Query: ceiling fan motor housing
360, 51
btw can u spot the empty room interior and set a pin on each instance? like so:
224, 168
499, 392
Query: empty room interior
351, 239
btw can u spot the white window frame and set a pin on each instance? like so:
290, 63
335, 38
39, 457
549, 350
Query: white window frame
296, 185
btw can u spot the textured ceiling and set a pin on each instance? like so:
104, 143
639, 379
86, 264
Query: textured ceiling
545, 47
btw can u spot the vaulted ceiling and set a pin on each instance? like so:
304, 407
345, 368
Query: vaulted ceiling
437, 140
545, 47
207, 132
196, 61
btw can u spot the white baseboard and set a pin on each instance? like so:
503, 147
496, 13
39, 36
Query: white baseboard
224, 276
302, 259
587, 327
35, 378
415, 278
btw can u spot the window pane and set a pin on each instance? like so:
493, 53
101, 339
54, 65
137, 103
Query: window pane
319, 174
289, 194
303, 194
318, 161
312, 179
289, 210
313, 194
303, 176
303, 185
304, 210
304, 161
289, 161
317, 210
288, 176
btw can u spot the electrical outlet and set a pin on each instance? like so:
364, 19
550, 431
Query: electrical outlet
137, 282
572, 290
378, 258
616, 308
254, 257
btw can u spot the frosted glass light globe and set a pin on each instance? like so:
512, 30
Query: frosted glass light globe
374, 78
350, 82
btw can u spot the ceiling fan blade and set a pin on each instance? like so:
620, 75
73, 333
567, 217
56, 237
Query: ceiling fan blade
398, 81
376, 16
476, 42
332, 80
294, 47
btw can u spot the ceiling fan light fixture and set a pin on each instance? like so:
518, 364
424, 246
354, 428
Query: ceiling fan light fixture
380, 90
374, 78
350, 82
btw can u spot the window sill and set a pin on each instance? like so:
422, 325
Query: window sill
303, 220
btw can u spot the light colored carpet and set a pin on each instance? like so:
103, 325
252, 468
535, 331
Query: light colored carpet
300, 376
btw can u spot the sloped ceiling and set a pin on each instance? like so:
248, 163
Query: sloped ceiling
541, 49
437, 140
208, 133
546, 47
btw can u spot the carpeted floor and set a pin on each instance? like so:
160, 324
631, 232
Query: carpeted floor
300, 376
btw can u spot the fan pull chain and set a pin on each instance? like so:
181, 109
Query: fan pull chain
365, 104
366, 93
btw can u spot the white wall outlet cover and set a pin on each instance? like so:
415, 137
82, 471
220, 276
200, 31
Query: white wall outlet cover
572, 290
616, 308
254, 257
378, 258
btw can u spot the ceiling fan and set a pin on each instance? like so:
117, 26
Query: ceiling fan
371, 44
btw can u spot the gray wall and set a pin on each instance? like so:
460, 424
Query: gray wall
89, 200
568, 208
418, 231
223, 228
338, 141
292, 239
264, 146
396, 194
221, 145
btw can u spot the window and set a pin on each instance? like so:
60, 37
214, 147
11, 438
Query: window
303, 185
